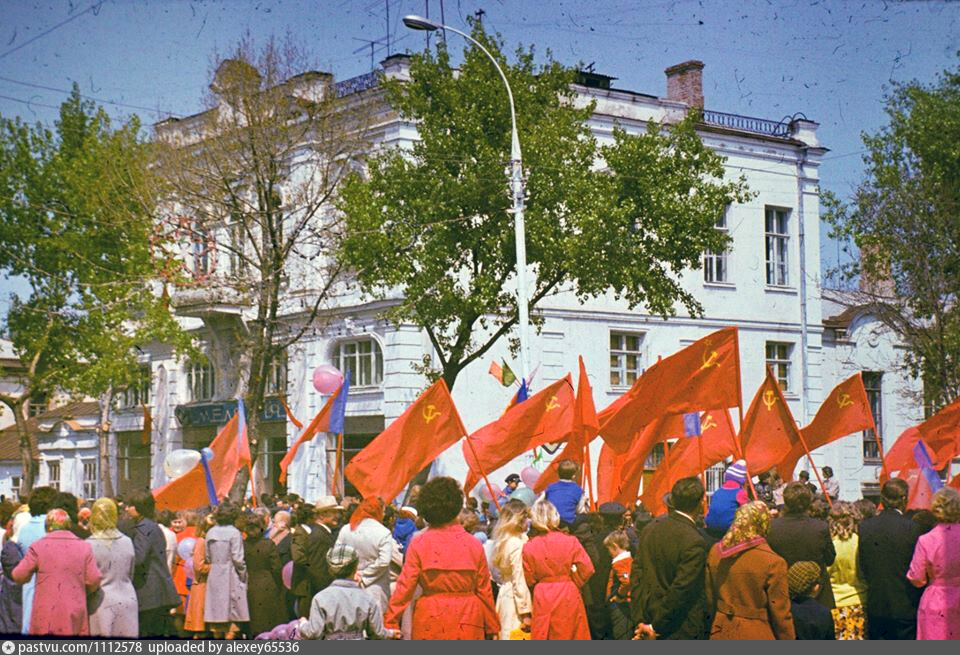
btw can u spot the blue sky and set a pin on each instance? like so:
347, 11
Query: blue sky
830, 59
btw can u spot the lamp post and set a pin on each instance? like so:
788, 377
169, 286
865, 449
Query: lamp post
516, 191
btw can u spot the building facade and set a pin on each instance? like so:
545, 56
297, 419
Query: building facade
767, 283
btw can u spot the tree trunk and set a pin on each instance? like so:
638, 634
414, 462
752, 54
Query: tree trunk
103, 441
26, 452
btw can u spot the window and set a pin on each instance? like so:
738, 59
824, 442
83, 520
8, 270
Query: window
277, 376
872, 383
15, 483
200, 379
238, 241
656, 456
778, 358
37, 404
89, 478
715, 267
778, 242
138, 393
364, 359
53, 475
202, 246
626, 358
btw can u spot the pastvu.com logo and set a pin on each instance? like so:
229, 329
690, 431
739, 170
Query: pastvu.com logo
8, 647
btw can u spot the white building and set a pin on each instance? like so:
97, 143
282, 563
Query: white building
767, 283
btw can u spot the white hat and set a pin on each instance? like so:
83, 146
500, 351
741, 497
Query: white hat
411, 510
326, 503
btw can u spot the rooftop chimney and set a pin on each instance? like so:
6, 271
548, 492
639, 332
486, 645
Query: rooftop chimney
685, 83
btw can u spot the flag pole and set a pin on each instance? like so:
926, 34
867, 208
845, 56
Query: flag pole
823, 487
736, 439
589, 477
483, 474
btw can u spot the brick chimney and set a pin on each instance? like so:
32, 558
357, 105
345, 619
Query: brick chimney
685, 83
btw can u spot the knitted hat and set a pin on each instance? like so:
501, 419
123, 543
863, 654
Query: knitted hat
801, 576
736, 472
340, 557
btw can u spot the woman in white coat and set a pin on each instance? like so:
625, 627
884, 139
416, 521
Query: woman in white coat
514, 605
374, 545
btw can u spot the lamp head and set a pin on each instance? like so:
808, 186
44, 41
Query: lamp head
415, 22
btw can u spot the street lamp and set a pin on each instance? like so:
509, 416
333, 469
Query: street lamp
516, 189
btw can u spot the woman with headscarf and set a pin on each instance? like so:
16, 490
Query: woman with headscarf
747, 582
11, 593
66, 573
449, 565
556, 566
849, 590
514, 604
113, 607
374, 545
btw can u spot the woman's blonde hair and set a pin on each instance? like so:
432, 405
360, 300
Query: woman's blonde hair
751, 521
842, 520
103, 516
544, 516
946, 505
512, 523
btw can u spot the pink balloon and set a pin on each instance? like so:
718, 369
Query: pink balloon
485, 493
327, 379
530, 475
287, 575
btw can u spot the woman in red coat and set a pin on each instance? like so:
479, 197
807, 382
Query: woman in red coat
556, 566
450, 567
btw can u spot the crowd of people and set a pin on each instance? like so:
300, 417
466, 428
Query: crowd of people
772, 561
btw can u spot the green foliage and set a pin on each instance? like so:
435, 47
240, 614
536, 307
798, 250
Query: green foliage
434, 221
76, 222
904, 221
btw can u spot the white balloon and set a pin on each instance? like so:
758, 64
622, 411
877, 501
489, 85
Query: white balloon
180, 462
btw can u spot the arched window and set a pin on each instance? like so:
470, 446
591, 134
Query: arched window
363, 358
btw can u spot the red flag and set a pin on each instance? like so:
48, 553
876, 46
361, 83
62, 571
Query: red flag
920, 495
845, 411
940, 434
683, 459
544, 417
585, 428
768, 432
609, 466
429, 426
231, 452
704, 374
320, 423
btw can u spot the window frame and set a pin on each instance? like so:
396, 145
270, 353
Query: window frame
276, 383
91, 491
376, 370
138, 393
712, 260
871, 440
777, 244
207, 377
53, 465
622, 353
784, 380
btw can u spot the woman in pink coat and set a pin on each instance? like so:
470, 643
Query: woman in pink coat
936, 566
556, 566
66, 572
449, 565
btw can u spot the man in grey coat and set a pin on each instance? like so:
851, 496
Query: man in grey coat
156, 594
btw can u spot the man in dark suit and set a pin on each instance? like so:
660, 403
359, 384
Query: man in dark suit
887, 541
328, 513
156, 594
667, 577
796, 537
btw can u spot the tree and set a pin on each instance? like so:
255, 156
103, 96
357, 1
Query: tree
902, 226
251, 182
434, 223
76, 214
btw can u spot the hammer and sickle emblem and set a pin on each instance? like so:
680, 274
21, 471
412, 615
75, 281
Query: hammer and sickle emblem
430, 412
844, 400
769, 399
710, 358
707, 422
553, 403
